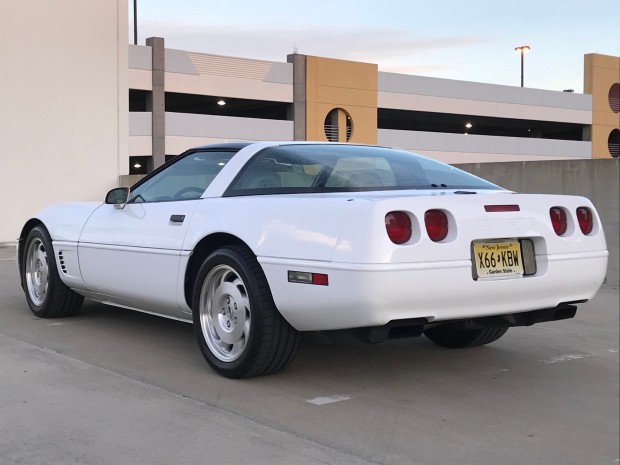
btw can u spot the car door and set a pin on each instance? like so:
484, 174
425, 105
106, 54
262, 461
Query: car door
130, 254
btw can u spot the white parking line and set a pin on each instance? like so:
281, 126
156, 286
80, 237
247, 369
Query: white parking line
566, 358
328, 400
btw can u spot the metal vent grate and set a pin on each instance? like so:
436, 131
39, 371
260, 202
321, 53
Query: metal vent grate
231, 67
614, 97
613, 143
61, 261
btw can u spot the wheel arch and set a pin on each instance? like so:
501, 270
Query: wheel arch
202, 250
29, 226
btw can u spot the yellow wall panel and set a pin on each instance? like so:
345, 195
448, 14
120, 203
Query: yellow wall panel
351, 86
347, 74
342, 96
600, 138
600, 73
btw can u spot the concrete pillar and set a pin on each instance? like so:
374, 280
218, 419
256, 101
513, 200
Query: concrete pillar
299, 95
156, 102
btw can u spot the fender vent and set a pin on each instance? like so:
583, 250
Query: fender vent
61, 261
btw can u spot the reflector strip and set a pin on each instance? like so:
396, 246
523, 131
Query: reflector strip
303, 277
320, 279
501, 208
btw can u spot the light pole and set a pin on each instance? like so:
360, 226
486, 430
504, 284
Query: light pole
523, 49
135, 22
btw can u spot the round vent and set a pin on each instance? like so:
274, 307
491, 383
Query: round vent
338, 126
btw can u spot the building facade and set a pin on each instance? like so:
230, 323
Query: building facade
210, 98
80, 109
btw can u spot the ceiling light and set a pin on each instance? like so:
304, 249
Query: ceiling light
137, 165
468, 125
221, 102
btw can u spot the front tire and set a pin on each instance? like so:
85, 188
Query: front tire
239, 330
46, 294
448, 336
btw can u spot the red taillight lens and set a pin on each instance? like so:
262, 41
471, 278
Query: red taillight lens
558, 220
585, 220
398, 227
436, 223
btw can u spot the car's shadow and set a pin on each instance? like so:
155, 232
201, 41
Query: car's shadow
323, 355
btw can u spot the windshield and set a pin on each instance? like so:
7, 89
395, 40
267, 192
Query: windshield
346, 168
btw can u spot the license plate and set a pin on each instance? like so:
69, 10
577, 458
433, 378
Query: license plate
498, 259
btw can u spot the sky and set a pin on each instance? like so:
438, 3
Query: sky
470, 40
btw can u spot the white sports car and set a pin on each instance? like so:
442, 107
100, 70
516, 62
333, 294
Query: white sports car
256, 243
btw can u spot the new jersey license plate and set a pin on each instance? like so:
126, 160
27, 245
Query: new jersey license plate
498, 259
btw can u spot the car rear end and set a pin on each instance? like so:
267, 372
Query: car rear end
443, 255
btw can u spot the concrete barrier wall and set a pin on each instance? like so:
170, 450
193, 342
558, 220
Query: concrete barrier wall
594, 179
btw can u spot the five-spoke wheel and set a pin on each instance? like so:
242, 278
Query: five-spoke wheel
238, 327
225, 313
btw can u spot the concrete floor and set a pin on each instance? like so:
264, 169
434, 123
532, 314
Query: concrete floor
113, 386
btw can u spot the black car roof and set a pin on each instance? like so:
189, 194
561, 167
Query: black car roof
223, 146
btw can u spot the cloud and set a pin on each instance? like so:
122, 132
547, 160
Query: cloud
390, 48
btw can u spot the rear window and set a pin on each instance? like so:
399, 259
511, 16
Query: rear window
346, 168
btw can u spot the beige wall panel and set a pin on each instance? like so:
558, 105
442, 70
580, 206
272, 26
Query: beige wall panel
140, 146
63, 104
140, 79
223, 86
481, 108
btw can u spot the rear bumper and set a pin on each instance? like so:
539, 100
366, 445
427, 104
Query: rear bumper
374, 295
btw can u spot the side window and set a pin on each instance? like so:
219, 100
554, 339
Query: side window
185, 179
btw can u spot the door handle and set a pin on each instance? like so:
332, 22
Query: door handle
177, 218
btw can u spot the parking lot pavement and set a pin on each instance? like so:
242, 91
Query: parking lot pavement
115, 386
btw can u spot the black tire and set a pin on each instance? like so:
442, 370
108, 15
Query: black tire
46, 294
448, 336
232, 302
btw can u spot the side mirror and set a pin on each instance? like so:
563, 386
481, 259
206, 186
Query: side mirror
118, 197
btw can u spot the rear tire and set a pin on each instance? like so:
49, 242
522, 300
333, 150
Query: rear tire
447, 336
239, 330
46, 294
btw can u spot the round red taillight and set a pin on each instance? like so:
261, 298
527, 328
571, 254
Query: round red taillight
585, 220
436, 223
558, 220
398, 227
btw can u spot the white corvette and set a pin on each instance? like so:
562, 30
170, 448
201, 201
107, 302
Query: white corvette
256, 243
